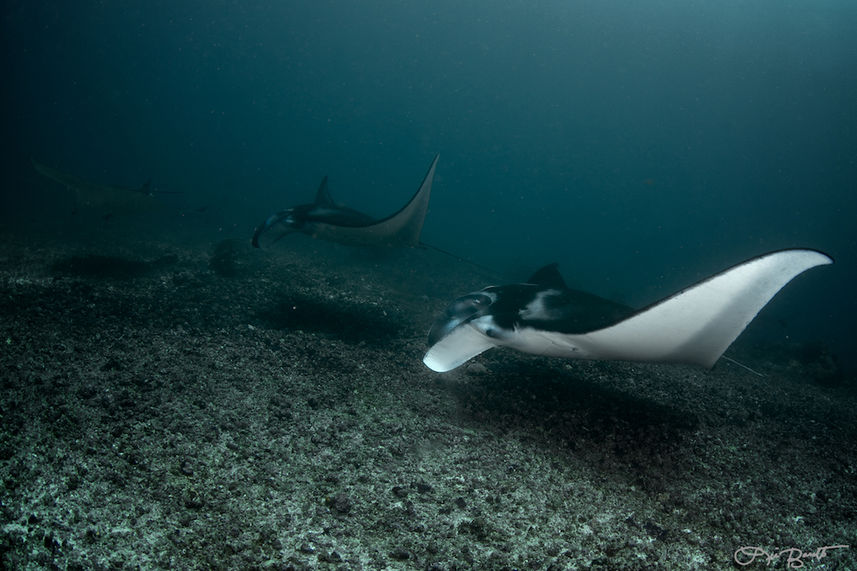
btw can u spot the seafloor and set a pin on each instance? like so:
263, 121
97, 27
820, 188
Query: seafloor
187, 407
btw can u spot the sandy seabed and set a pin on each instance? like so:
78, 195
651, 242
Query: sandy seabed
218, 407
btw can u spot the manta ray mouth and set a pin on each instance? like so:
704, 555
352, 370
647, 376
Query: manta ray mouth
460, 312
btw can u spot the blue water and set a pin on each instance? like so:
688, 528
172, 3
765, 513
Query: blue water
643, 145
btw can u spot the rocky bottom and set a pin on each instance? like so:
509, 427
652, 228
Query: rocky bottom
227, 408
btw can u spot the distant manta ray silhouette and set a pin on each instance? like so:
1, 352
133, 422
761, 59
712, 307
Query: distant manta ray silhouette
327, 220
93, 195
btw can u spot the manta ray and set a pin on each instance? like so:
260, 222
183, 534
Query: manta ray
545, 317
327, 220
102, 197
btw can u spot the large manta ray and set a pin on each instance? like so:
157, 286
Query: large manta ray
545, 317
327, 220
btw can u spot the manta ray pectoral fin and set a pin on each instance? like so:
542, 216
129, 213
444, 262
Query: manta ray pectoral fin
458, 347
699, 323
405, 226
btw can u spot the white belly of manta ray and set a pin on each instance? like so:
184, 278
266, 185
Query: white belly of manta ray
694, 326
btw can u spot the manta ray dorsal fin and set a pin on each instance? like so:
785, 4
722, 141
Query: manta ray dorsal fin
461, 345
322, 195
548, 276
697, 324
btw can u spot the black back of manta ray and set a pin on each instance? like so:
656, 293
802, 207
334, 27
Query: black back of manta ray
572, 310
